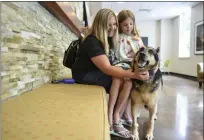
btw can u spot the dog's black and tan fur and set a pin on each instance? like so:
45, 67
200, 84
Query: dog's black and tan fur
146, 93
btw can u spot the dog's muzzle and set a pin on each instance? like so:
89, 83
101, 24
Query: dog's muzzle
142, 60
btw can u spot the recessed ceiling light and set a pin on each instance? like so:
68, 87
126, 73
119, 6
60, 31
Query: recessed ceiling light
120, 2
144, 10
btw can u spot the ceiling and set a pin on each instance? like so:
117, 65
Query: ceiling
145, 10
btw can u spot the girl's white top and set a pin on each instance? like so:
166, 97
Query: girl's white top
127, 44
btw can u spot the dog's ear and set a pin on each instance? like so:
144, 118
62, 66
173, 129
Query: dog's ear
158, 49
156, 55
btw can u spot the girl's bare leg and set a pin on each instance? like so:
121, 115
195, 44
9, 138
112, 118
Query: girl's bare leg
127, 112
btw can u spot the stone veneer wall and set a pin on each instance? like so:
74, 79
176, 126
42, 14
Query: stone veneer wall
32, 46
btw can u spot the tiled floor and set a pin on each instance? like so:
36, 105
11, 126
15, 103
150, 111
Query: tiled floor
180, 112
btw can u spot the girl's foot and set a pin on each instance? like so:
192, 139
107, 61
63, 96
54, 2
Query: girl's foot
127, 120
120, 131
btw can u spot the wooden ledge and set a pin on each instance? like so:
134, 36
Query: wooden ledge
68, 18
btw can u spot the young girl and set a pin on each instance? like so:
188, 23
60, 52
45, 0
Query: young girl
129, 39
129, 44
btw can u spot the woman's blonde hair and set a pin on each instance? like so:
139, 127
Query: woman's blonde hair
123, 15
99, 28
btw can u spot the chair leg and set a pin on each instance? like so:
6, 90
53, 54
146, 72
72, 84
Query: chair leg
200, 84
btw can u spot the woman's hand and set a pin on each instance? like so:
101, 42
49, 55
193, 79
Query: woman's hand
141, 75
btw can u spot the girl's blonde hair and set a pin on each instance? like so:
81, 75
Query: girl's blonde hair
99, 28
123, 15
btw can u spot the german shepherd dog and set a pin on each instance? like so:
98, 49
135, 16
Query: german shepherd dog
146, 93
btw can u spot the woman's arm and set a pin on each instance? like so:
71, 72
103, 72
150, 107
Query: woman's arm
102, 62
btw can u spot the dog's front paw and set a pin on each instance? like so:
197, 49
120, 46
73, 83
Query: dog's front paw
136, 136
149, 136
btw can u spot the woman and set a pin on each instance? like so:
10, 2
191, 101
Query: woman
94, 64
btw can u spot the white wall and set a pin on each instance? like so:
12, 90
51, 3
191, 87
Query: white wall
149, 29
166, 41
93, 8
186, 66
158, 33
175, 46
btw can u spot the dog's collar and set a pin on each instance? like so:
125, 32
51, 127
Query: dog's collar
151, 73
155, 79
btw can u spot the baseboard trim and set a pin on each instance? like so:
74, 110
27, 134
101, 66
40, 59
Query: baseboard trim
193, 78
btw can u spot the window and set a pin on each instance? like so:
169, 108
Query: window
184, 34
